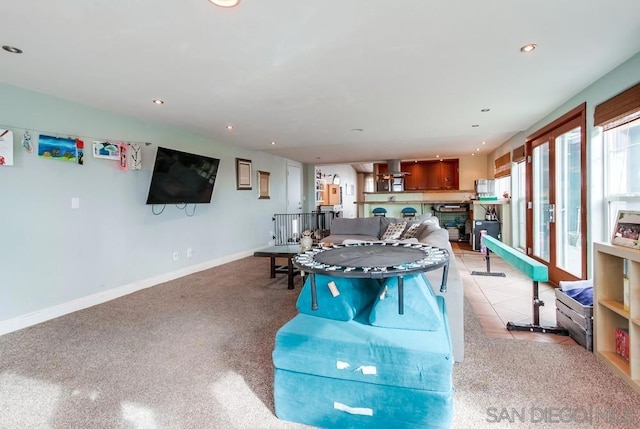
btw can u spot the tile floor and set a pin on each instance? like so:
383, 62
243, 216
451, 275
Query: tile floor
498, 300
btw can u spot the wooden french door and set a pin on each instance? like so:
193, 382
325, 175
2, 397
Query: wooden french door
556, 197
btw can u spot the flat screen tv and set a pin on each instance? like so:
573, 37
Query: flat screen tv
181, 177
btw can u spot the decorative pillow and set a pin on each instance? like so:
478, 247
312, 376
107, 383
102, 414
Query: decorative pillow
411, 231
421, 311
385, 221
339, 298
394, 231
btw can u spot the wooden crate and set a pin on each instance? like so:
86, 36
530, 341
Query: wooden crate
576, 318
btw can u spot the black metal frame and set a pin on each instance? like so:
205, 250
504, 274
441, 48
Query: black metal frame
536, 301
288, 227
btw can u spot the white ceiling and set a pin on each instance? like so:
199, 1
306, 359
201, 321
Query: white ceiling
412, 74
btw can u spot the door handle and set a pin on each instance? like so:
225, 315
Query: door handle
552, 213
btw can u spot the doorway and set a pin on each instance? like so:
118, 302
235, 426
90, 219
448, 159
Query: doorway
556, 196
294, 188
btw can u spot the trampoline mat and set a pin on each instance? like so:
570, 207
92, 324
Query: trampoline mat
370, 256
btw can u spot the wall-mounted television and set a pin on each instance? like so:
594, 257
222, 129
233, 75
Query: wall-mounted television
180, 177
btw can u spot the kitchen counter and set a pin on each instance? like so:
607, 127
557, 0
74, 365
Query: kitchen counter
422, 201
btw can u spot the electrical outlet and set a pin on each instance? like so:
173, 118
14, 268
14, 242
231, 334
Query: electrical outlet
189, 252
176, 255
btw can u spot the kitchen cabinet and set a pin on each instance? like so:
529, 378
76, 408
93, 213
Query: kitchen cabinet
442, 174
416, 178
427, 175
320, 192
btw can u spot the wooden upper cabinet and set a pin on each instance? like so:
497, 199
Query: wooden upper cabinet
415, 179
432, 175
427, 175
449, 174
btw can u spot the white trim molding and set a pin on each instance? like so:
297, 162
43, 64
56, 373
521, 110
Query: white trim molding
49, 313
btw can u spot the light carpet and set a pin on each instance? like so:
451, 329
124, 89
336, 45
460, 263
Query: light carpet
196, 353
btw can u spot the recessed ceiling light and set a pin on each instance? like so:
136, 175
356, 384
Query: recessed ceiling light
477, 149
484, 142
12, 49
528, 47
475, 125
229, 127
225, 3
484, 110
273, 142
158, 101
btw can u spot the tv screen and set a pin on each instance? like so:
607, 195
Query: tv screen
181, 177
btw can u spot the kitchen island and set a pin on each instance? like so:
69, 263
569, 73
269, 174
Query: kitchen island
422, 202
452, 208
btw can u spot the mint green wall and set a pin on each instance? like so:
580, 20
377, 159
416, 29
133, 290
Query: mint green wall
52, 254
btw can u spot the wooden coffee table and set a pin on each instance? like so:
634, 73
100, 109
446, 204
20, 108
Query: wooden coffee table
286, 251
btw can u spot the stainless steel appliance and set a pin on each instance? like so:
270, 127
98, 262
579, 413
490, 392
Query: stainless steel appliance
393, 179
382, 185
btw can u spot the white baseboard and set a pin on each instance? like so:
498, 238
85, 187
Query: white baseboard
30, 319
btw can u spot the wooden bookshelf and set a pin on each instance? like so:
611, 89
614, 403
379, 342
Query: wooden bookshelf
609, 311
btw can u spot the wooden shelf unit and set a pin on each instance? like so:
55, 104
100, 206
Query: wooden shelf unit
320, 194
609, 311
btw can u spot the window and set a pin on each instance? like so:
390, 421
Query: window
502, 186
620, 118
622, 169
518, 206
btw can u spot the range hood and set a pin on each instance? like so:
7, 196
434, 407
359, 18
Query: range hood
393, 179
393, 169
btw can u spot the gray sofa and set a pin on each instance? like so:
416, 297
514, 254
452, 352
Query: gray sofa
429, 232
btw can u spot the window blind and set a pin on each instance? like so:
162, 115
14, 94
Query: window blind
518, 154
619, 109
502, 166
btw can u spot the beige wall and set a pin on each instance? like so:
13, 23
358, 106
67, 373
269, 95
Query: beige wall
472, 168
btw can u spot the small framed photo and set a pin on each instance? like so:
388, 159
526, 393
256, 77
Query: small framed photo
349, 189
627, 229
263, 185
243, 174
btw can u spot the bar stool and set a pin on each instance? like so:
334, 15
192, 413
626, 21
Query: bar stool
379, 211
409, 212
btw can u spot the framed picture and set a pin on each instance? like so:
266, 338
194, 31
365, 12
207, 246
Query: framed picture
263, 185
106, 150
350, 189
243, 174
627, 229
